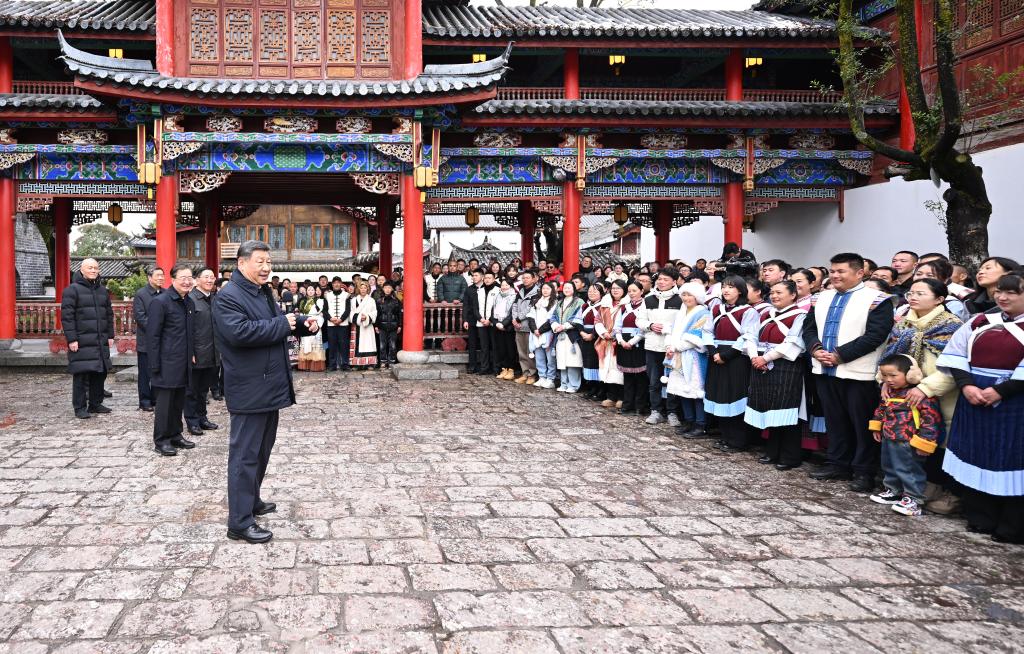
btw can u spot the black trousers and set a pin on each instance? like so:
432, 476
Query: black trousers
252, 439
783, 444
87, 390
848, 406
346, 341
334, 347
388, 339
203, 380
736, 432
655, 371
504, 348
170, 402
142, 381
473, 348
218, 386
995, 514
634, 390
484, 361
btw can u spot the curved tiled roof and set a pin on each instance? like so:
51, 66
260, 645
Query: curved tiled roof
43, 101
140, 74
652, 109
133, 16
630, 23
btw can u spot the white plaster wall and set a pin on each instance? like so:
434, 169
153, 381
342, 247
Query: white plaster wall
880, 219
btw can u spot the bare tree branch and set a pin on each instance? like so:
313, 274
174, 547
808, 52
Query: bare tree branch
910, 62
948, 91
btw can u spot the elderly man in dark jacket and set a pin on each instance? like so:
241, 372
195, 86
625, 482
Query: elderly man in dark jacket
252, 338
87, 318
140, 312
170, 346
205, 359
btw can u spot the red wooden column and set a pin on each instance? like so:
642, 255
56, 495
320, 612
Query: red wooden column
61, 245
734, 201
212, 237
527, 229
165, 42
570, 228
571, 74
385, 231
413, 39
412, 286
734, 75
167, 224
8, 287
6, 65
662, 230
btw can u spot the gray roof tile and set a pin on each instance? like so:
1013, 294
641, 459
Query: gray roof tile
677, 108
43, 101
132, 16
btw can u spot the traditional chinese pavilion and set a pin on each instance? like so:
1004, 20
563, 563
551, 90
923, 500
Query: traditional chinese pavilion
387, 110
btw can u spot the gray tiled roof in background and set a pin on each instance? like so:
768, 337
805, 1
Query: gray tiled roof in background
630, 23
691, 108
138, 16
41, 101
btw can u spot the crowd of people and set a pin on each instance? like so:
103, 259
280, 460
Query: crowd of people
911, 373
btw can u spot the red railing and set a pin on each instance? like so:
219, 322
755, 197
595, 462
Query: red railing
666, 95
41, 320
442, 320
45, 87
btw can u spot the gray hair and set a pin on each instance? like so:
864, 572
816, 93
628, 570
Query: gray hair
247, 248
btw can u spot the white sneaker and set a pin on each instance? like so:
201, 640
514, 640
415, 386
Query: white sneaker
549, 383
654, 418
673, 420
570, 390
562, 389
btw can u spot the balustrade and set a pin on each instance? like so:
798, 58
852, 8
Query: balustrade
668, 95
42, 320
442, 320
45, 87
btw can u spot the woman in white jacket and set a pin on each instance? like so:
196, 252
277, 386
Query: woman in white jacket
689, 363
541, 339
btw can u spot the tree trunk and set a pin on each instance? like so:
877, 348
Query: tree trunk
967, 208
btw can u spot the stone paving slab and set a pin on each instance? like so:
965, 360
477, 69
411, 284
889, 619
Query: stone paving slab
458, 517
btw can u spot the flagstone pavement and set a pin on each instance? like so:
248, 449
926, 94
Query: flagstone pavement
471, 516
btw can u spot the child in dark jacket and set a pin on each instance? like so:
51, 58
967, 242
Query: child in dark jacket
908, 435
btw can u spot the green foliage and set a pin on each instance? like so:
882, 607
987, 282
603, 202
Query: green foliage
126, 288
99, 240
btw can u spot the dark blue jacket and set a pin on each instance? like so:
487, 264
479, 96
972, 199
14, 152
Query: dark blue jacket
252, 338
140, 310
169, 345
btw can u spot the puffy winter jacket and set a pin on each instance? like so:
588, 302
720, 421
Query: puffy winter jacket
87, 317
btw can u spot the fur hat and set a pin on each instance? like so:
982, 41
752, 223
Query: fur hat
696, 289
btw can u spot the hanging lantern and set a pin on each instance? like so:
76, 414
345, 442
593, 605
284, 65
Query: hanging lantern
472, 218
114, 214
620, 214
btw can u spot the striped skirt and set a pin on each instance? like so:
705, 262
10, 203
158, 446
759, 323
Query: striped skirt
774, 397
726, 386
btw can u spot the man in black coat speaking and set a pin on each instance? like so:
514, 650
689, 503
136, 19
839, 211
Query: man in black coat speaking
252, 335
170, 357
87, 318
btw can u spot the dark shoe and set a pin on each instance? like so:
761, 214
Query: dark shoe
269, 507
254, 534
194, 430
626, 411
978, 530
166, 449
107, 393
206, 424
145, 408
765, 460
830, 473
725, 448
999, 538
787, 466
183, 443
220, 396
862, 484
83, 414
684, 429
99, 408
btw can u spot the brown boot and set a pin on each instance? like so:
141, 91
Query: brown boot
521, 379
531, 380
608, 404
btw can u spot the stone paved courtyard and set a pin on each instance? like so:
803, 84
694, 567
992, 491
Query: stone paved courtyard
476, 516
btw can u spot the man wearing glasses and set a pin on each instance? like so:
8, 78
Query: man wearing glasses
170, 349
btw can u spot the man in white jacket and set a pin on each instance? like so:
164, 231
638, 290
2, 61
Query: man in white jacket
656, 317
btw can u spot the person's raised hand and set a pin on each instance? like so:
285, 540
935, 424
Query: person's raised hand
312, 325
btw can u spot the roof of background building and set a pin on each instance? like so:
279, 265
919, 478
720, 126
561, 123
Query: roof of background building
690, 108
45, 101
140, 73
133, 16
487, 251
632, 23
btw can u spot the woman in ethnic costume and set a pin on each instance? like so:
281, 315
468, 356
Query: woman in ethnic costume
311, 351
688, 363
922, 333
985, 451
363, 312
776, 397
732, 323
631, 359
814, 439
607, 364
591, 315
566, 321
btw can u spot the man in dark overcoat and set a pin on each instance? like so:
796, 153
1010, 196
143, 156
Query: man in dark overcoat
252, 337
87, 318
140, 312
205, 359
170, 349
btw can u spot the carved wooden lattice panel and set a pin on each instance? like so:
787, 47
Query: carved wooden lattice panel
303, 39
980, 22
